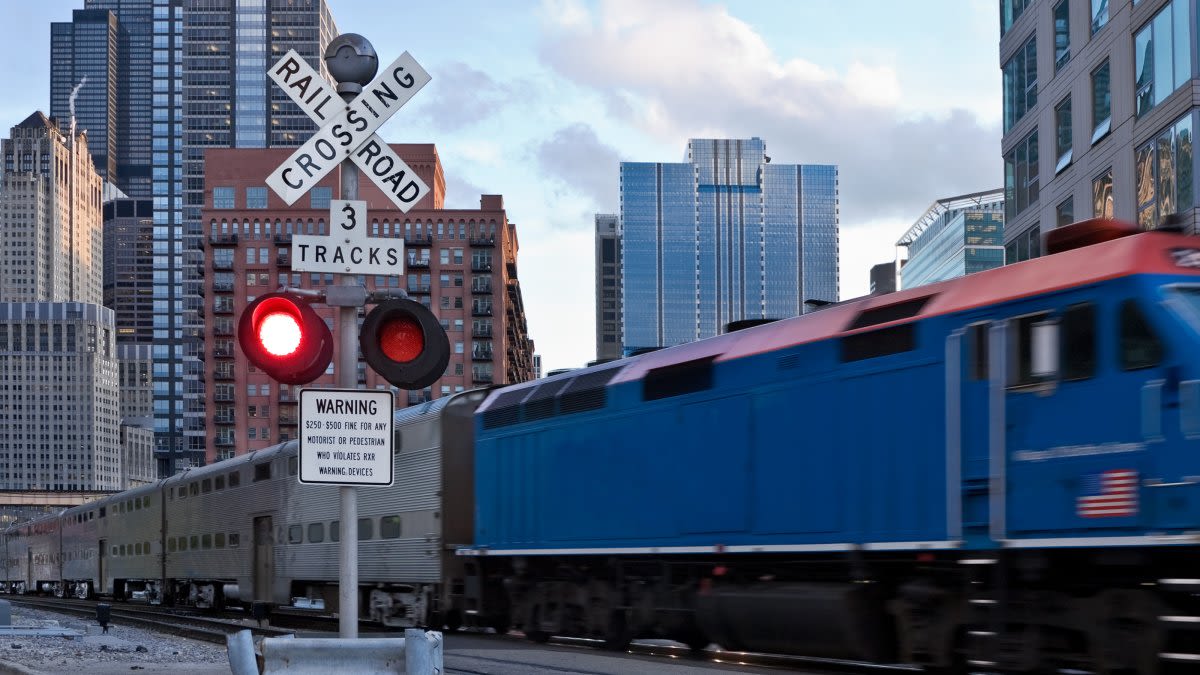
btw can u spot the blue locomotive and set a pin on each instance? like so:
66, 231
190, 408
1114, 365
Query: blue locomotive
998, 471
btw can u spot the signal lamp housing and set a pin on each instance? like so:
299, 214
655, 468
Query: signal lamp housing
403, 342
285, 338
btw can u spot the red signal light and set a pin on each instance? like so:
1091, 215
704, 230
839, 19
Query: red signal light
403, 341
284, 337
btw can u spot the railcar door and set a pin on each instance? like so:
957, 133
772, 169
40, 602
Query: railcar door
264, 558
971, 387
102, 570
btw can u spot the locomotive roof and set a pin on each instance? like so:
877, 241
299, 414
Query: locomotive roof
1143, 253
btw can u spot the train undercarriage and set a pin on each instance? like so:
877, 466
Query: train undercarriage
1131, 611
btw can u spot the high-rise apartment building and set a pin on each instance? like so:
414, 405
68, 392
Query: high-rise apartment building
50, 237
128, 274
726, 235
956, 236
1099, 114
608, 287
883, 278
136, 400
461, 263
194, 76
58, 397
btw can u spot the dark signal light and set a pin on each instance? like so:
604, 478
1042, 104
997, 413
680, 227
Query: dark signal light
403, 342
285, 338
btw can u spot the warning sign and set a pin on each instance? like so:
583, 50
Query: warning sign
346, 436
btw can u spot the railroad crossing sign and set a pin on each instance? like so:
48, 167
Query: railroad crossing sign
348, 129
347, 249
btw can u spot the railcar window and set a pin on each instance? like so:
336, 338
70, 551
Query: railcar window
316, 533
102, 511
183, 543
137, 548
1140, 347
122, 549
893, 340
193, 489
678, 379
978, 336
146, 501
365, 531
389, 527
219, 483
1020, 335
206, 541
262, 471
335, 534
182, 492
146, 547
194, 542
235, 479
172, 546
234, 539
129, 506
1078, 344
114, 550
219, 540
295, 534
206, 485
292, 466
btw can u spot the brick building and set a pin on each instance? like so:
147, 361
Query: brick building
462, 264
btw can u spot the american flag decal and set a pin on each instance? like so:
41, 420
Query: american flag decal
1110, 494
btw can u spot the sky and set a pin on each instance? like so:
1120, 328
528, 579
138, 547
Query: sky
540, 101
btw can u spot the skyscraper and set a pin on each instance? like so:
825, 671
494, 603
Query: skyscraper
128, 278
87, 77
724, 236
193, 75
50, 239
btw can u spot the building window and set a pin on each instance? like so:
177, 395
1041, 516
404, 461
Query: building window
319, 197
1062, 34
1035, 241
1021, 176
1064, 213
256, 197
1102, 195
1099, 14
1162, 50
1009, 11
1020, 83
223, 197
1163, 170
1101, 103
1062, 126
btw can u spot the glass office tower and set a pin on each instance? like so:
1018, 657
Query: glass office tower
724, 236
193, 76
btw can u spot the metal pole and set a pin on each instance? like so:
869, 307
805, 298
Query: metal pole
347, 378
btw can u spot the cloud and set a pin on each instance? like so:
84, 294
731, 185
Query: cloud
463, 96
689, 70
462, 193
575, 157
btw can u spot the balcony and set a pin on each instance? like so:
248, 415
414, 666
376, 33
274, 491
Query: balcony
223, 286
483, 241
223, 375
481, 332
481, 378
418, 240
223, 352
288, 420
478, 310
223, 239
287, 399
222, 264
223, 308
223, 441
481, 355
282, 239
417, 263
481, 289
225, 419
223, 397
283, 261
223, 331
481, 266
424, 289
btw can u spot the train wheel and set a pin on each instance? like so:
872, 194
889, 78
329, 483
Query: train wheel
617, 635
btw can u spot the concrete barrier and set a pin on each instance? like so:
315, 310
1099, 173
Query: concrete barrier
417, 653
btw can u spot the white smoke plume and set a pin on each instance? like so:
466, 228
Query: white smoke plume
71, 101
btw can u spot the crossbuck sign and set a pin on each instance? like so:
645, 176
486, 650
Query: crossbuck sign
348, 129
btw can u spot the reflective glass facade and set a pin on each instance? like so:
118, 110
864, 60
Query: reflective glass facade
722, 237
956, 236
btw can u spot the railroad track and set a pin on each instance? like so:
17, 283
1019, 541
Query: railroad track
191, 626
